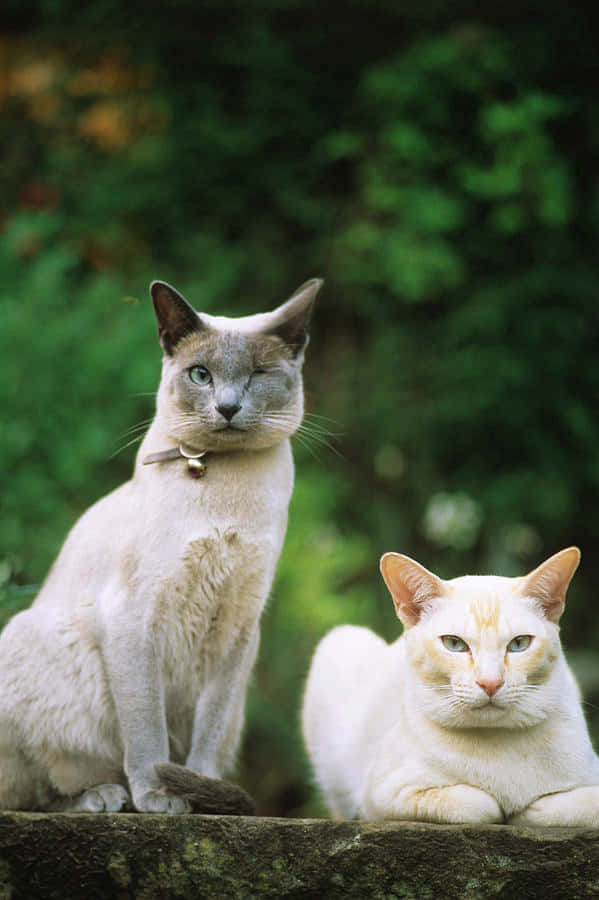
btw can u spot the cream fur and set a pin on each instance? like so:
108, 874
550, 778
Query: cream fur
408, 730
139, 647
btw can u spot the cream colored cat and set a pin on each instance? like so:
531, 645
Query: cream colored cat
472, 715
139, 646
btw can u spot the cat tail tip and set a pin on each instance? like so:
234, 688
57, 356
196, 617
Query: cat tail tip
211, 796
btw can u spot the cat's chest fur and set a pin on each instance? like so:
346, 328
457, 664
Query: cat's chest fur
220, 538
189, 561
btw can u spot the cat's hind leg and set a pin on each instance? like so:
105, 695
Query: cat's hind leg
27, 784
24, 784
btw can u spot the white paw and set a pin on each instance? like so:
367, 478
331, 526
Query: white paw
451, 804
472, 806
101, 798
578, 808
160, 802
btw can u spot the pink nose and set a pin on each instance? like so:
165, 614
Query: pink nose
490, 685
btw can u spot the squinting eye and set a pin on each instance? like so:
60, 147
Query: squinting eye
519, 643
454, 643
200, 375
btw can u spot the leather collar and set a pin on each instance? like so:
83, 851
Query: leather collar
196, 459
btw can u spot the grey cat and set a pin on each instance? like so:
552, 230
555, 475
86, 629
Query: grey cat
125, 681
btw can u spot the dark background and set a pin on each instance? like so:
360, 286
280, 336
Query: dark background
436, 163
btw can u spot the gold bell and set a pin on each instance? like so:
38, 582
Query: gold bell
196, 466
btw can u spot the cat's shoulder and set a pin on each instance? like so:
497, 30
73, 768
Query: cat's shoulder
353, 642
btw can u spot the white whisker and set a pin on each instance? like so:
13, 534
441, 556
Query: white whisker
316, 423
141, 426
134, 440
309, 434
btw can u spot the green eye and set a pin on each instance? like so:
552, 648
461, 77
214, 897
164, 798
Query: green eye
200, 375
519, 643
454, 643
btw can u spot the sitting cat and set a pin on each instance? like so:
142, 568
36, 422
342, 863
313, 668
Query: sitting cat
136, 654
471, 716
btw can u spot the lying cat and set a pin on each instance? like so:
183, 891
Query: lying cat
139, 646
471, 716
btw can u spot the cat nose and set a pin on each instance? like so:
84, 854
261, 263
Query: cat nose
490, 685
228, 410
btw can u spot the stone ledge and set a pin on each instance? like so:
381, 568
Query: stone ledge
67, 857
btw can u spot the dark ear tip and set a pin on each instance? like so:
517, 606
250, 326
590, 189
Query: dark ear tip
155, 286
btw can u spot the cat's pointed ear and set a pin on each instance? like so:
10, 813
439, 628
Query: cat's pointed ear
411, 586
290, 321
176, 317
548, 583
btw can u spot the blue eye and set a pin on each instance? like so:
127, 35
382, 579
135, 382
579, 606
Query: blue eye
454, 643
519, 643
200, 375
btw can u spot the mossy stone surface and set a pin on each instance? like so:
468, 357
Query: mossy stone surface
142, 857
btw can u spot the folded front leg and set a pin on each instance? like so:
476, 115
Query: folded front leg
393, 798
578, 807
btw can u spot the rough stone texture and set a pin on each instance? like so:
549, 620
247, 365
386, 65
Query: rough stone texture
142, 857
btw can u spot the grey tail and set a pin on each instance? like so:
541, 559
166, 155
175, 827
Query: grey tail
206, 795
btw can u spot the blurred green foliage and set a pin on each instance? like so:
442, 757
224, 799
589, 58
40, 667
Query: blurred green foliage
436, 164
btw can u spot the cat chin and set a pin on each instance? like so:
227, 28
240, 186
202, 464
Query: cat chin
504, 717
474, 718
223, 440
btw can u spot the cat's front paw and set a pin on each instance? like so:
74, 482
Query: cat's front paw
464, 804
576, 808
159, 801
451, 804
